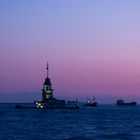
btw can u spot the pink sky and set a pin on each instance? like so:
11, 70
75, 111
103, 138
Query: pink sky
92, 47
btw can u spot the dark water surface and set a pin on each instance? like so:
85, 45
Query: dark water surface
105, 122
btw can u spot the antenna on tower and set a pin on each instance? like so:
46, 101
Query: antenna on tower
47, 70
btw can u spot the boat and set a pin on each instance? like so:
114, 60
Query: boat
41, 105
121, 102
91, 103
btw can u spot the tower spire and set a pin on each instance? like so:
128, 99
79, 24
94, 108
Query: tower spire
47, 70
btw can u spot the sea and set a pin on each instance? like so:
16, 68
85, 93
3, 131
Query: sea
104, 122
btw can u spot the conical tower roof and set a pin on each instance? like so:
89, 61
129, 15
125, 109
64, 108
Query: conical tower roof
47, 80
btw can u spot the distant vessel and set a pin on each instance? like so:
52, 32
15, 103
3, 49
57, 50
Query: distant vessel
91, 103
121, 102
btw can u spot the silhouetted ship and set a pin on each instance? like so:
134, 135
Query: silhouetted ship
121, 102
48, 101
91, 103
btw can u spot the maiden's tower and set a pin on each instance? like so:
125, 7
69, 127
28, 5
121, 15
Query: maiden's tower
48, 101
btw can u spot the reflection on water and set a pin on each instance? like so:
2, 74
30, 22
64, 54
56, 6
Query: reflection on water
99, 123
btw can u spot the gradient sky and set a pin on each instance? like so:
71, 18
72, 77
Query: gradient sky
93, 47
